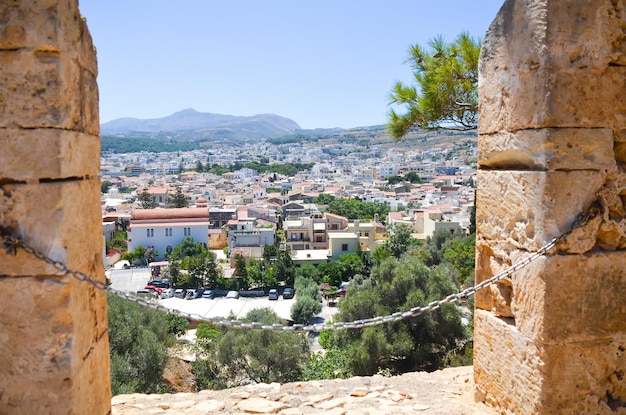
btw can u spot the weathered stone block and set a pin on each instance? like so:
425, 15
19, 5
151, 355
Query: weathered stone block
535, 74
548, 149
57, 24
46, 88
53, 154
71, 213
524, 210
506, 366
571, 297
524, 376
60, 342
585, 377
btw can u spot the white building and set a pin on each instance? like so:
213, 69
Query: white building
163, 229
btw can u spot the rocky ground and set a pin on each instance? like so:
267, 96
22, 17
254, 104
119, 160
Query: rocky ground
448, 391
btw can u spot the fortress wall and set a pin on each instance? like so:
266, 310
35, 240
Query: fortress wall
552, 89
53, 328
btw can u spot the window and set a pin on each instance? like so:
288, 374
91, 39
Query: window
187, 231
168, 231
367, 234
344, 247
150, 232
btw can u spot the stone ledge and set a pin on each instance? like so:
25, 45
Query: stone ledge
448, 391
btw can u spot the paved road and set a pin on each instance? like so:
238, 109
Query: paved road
129, 280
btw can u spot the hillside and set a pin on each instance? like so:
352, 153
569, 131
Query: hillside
191, 125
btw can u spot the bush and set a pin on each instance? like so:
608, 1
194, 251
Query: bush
305, 309
138, 339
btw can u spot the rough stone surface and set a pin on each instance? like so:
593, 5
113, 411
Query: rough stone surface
52, 153
57, 362
549, 338
543, 63
444, 392
549, 149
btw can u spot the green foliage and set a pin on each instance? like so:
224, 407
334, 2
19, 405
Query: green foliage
119, 242
207, 331
309, 271
461, 254
105, 186
412, 177
177, 325
356, 209
138, 254
137, 144
145, 200
138, 339
334, 363
304, 309
188, 248
414, 344
240, 266
432, 252
391, 180
324, 199
445, 91
400, 240
240, 356
179, 200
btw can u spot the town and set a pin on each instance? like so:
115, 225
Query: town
238, 211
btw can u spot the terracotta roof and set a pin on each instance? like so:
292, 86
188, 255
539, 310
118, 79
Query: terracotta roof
174, 213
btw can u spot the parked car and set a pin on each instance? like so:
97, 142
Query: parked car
160, 283
232, 294
153, 289
190, 294
167, 293
179, 293
273, 294
210, 294
288, 293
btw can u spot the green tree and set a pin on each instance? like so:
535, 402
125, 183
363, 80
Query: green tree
445, 91
334, 363
179, 200
400, 240
240, 266
105, 186
304, 309
391, 180
324, 199
138, 341
203, 269
461, 254
145, 200
413, 177
199, 166
262, 356
418, 343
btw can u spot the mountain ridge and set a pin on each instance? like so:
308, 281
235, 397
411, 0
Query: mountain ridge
199, 125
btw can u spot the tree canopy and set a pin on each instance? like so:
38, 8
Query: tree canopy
445, 91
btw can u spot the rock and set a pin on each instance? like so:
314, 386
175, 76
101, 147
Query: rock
260, 406
359, 391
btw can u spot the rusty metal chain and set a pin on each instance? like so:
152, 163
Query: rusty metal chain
10, 243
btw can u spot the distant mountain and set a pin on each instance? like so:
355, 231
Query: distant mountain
190, 125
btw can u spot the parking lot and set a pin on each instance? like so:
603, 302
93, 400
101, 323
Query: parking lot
223, 307
132, 280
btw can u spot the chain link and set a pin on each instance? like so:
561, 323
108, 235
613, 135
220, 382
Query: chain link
10, 243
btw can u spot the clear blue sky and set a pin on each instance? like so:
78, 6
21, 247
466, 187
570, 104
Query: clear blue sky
322, 63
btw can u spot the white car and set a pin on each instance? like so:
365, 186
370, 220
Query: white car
167, 293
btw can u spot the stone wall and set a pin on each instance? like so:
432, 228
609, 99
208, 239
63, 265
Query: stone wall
53, 328
552, 138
